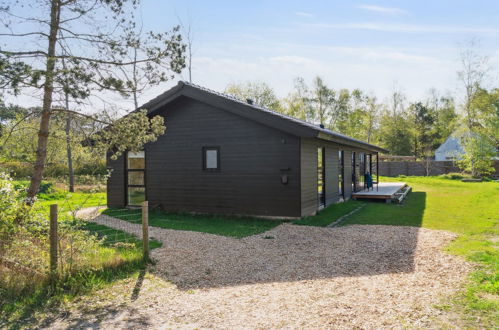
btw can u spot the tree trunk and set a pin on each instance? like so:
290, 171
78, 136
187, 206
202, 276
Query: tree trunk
68, 136
135, 79
48, 89
68, 149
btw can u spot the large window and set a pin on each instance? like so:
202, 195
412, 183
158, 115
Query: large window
211, 158
136, 185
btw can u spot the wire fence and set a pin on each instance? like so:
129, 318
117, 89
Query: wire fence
96, 238
75, 238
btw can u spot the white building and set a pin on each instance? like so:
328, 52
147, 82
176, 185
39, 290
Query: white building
450, 150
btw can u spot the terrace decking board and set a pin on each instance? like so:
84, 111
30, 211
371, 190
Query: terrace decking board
385, 190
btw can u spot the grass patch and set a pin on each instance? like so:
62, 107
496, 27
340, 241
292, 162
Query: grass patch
72, 201
119, 257
67, 201
20, 312
330, 214
112, 236
469, 209
237, 227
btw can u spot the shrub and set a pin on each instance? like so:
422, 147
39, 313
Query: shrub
24, 246
20, 170
23, 170
45, 187
55, 170
477, 158
454, 176
97, 167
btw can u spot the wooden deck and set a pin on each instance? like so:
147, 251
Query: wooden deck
386, 190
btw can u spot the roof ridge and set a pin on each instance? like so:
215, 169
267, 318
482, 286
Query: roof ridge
259, 107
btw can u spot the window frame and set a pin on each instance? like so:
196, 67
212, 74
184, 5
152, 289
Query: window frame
204, 155
127, 185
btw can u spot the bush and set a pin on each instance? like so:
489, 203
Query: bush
454, 176
45, 187
24, 244
55, 170
19, 170
23, 170
97, 167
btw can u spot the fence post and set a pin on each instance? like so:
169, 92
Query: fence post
145, 229
53, 236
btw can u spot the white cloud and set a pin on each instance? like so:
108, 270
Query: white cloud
371, 69
384, 10
304, 14
405, 28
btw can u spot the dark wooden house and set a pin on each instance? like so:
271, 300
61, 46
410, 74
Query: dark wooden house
221, 155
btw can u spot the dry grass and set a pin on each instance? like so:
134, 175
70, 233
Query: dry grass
290, 277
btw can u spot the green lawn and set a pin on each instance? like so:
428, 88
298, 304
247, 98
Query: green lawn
72, 201
461, 207
219, 225
112, 236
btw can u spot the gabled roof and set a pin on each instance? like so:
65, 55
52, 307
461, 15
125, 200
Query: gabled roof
254, 112
451, 145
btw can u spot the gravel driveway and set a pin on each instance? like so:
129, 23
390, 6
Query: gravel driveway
289, 277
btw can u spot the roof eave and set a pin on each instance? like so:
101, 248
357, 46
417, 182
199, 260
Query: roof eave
350, 142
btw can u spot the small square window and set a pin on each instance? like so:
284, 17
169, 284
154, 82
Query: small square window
211, 158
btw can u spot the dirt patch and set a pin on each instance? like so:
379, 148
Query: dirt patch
303, 277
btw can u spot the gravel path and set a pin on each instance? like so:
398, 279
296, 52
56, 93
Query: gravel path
302, 277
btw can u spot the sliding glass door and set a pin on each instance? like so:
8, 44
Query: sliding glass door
136, 185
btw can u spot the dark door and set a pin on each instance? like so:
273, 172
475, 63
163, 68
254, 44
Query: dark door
321, 176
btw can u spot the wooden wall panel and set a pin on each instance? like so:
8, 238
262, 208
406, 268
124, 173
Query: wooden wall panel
252, 159
116, 182
332, 182
308, 168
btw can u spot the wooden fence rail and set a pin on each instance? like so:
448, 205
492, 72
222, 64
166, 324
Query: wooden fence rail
421, 168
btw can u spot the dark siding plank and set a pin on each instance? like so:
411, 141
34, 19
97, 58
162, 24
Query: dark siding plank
332, 189
116, 182
252, 158
308, 166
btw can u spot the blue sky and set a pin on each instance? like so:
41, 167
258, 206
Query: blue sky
372, 45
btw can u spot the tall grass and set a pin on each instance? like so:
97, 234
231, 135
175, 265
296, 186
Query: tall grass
90, 255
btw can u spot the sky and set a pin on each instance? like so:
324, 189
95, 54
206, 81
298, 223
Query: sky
375, 45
